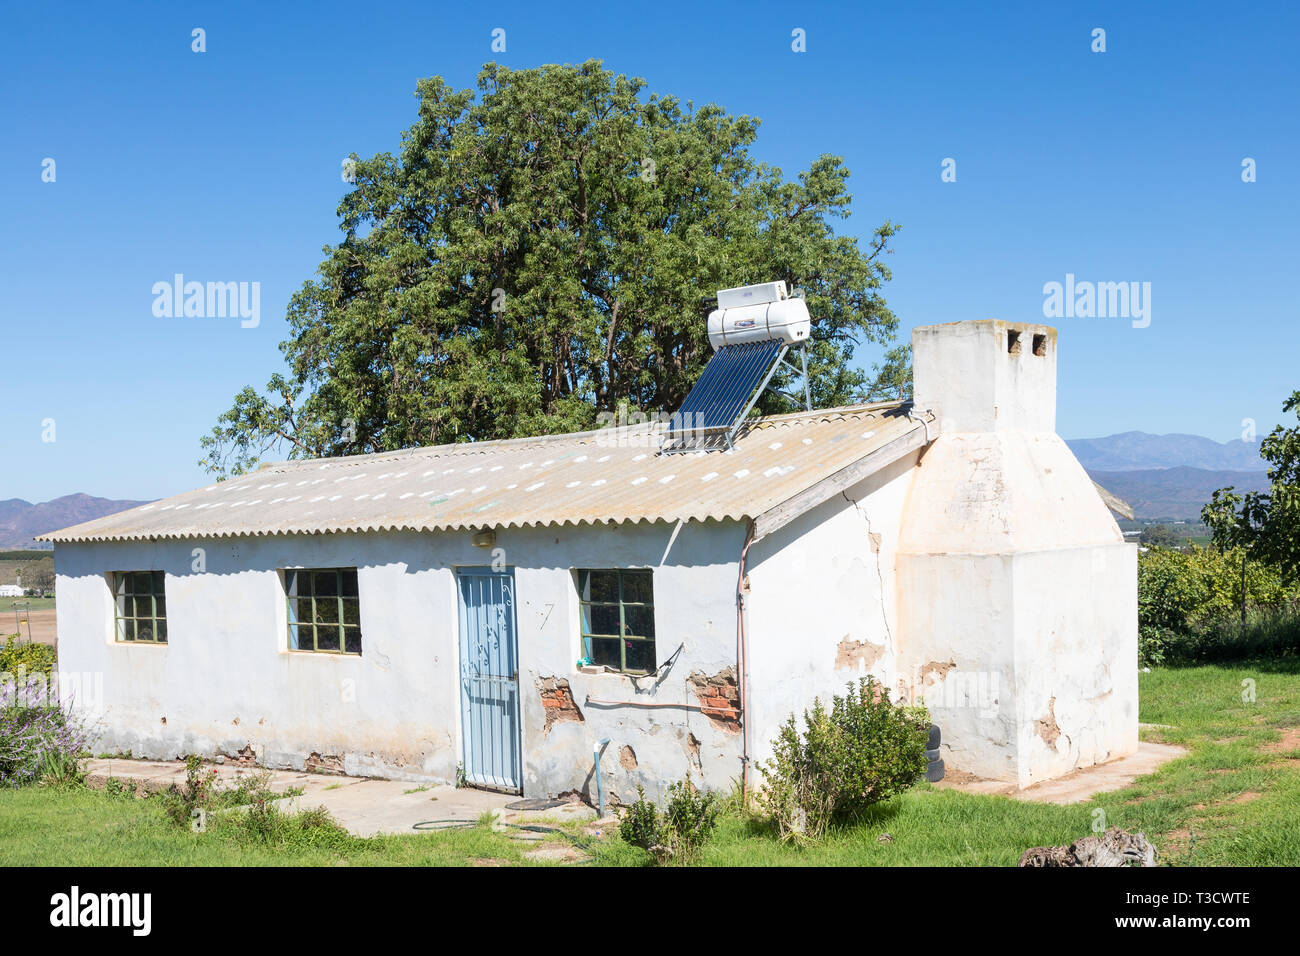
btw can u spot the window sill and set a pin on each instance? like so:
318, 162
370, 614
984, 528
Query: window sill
600, 670
337, 655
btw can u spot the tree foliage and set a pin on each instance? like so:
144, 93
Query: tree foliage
1265, 523
538, 252
1181, 590
1161, 536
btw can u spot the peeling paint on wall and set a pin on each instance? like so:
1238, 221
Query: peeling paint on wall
245, 756
692, 747
326, 763
939, 669
1047, 727
557, 701
627, 757
853, 655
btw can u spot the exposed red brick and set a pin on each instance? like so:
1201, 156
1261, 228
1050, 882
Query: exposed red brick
719, 698
557, 701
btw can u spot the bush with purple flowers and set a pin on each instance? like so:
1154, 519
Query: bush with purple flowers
39, 740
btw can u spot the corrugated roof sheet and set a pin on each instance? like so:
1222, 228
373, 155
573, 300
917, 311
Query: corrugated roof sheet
609, 475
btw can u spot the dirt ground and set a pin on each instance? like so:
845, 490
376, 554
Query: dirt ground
41, 622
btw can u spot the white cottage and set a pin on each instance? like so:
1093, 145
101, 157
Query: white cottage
511, 612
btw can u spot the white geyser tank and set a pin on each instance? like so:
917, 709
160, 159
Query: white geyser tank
755, 313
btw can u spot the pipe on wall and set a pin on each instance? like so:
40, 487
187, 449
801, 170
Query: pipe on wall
600, 786
742, 664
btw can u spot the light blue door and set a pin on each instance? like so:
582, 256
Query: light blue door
489, 678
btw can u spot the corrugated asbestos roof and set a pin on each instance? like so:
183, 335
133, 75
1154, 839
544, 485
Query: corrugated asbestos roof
609, 475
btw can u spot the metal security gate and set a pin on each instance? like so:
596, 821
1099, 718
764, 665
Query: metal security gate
489, 678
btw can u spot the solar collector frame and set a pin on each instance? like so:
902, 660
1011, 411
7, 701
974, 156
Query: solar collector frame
726, 390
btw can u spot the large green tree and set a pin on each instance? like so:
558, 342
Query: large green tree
539, 252
1265, 523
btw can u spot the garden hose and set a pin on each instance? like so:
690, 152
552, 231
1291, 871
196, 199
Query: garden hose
450, 824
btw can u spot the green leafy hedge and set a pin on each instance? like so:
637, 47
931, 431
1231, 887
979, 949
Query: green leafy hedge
1189, 606
33, 658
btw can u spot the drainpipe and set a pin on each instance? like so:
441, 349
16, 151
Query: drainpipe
600, 787
742, 664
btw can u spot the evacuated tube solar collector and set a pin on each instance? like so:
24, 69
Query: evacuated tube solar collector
751, 331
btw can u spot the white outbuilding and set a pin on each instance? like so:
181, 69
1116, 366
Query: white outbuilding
512, 611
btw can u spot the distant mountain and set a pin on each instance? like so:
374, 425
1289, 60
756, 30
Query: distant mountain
1137, 451
21, 520
1174, 493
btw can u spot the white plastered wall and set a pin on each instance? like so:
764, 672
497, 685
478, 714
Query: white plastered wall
822, 609
226, 680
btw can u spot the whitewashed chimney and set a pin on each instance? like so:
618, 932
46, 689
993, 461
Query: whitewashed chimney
987, 376
1017, 591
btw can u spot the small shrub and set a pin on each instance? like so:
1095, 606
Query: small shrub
182, 803
246, 790
864, 750
641, 824
265, 824
690, 817
117, 788
677, 834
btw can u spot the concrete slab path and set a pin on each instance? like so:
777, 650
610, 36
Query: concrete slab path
1079, 786
365, 806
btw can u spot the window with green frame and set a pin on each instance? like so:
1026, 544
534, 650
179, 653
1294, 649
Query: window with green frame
141, 614
618, 619
324, 610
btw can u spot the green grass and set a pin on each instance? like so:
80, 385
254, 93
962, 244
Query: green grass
7, 608
1231, 801
81, 827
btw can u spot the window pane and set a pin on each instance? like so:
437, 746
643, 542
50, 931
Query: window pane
637, 587
351, 611
122, 580
160, 606
143, 607
157, 582
141, 582
143, 631
161, 631
640, 655
600, 619
126, 629
639, 620
324, 610
605, 651
327, 638
600, 586
327, 610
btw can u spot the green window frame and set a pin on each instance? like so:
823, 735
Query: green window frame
618, 619
140, 607
324, 610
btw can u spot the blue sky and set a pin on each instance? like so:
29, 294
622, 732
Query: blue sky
1115, 166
